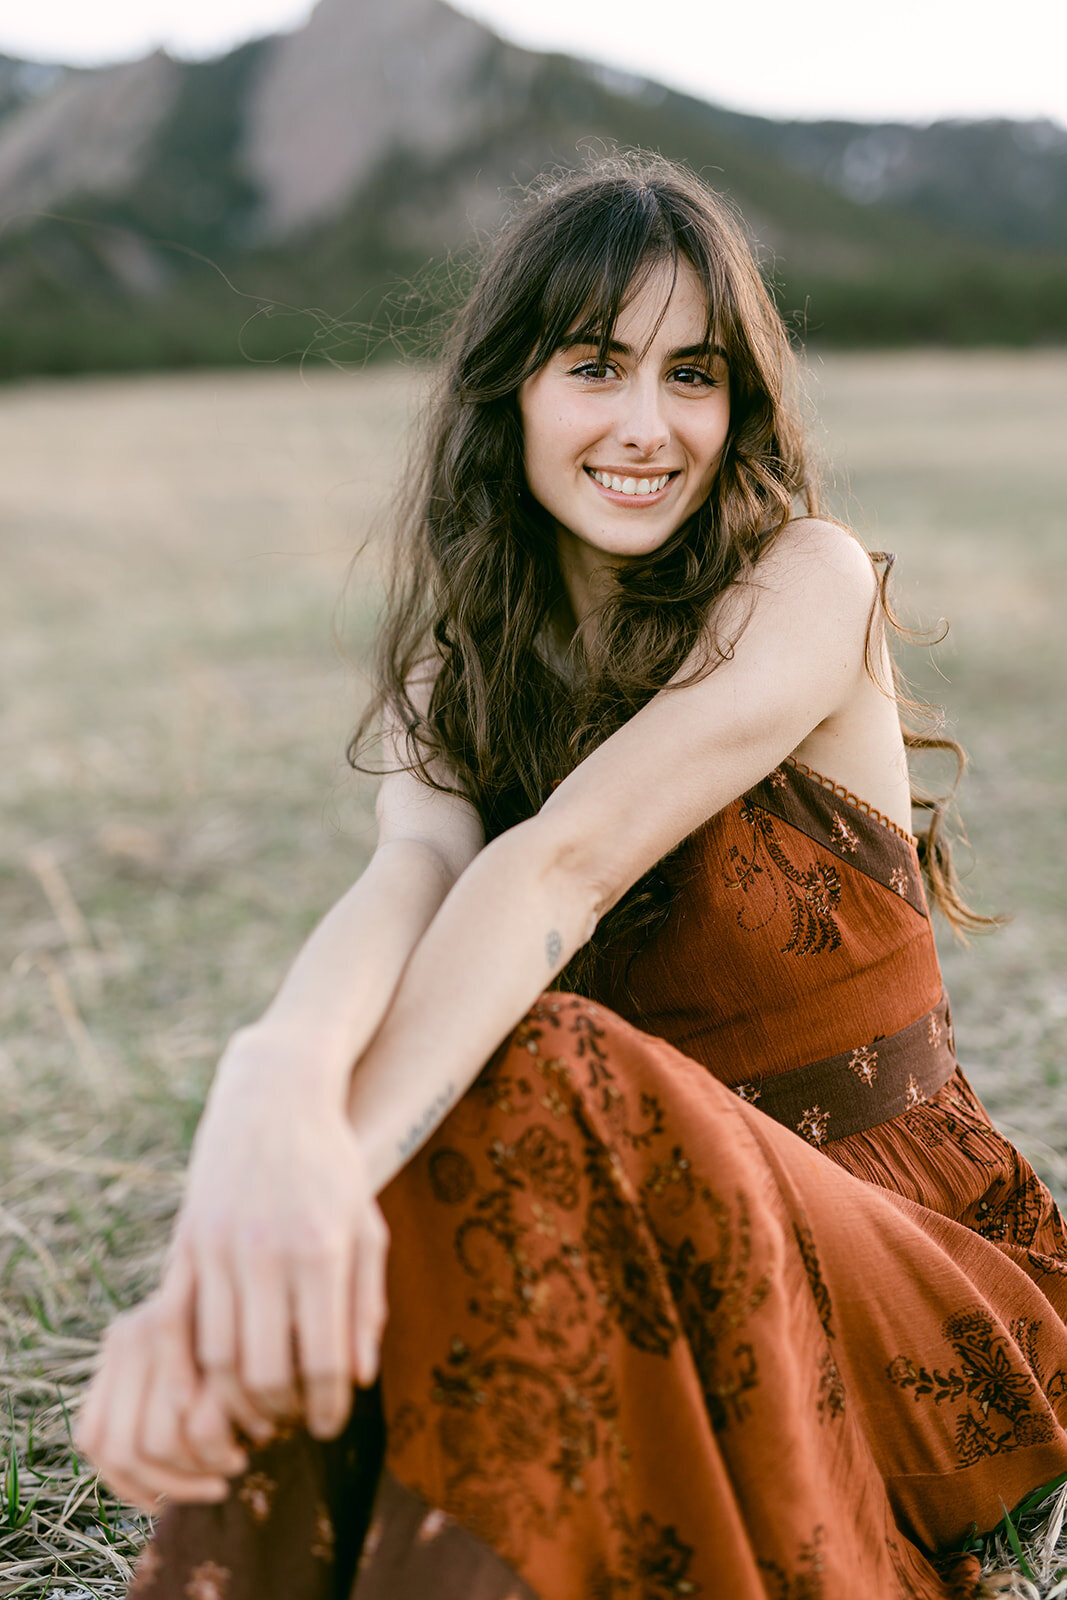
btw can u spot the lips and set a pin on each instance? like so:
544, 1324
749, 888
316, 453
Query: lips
636, 488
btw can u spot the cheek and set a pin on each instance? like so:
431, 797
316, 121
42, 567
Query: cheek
715, 439
554, 435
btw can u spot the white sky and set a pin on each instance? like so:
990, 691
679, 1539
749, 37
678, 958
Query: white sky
869, 59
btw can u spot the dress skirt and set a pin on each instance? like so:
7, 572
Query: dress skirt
645, 1342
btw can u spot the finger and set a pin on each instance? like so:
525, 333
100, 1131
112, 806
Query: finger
88, 1426
216, 1316
239, 1406
162, 1438
91, 1428
266, 1367
120, 1461
369, 1309
323, 1297
174, 1382
166, 1437
209, 1430
146, 1490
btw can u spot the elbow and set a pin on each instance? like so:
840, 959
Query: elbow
568, 874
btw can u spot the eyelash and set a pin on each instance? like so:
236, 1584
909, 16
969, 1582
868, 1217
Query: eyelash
594, 373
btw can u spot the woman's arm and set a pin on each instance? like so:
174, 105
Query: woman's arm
278, 1212
340, 986
534, 895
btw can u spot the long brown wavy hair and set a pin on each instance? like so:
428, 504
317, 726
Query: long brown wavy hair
476, 591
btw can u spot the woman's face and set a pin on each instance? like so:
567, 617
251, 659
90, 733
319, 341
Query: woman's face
619, 456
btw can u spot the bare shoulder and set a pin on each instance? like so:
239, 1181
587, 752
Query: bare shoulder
811, 550
815, 578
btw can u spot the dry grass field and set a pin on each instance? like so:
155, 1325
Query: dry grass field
177, 811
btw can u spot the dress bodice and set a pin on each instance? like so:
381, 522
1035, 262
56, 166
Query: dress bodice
799, 932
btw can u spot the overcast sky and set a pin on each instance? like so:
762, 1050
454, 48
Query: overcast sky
869, 59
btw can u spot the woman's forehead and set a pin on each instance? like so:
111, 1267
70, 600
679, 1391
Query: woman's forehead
666, 305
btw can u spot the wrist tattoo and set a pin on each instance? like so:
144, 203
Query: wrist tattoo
553, 947
427, 1122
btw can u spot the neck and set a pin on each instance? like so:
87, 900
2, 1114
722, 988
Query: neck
588, 576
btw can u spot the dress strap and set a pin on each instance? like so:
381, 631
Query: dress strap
851, 830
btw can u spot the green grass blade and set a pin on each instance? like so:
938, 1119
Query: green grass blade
1012, 1536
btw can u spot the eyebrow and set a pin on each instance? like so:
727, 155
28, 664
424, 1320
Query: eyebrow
685, 352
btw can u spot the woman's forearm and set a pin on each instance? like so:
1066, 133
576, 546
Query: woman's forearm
340, 986
510, 924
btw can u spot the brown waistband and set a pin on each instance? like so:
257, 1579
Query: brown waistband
861, 1088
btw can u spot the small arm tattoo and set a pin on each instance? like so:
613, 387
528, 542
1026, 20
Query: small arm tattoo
553, 947
427, 1122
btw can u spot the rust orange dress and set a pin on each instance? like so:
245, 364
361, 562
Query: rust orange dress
719, 1283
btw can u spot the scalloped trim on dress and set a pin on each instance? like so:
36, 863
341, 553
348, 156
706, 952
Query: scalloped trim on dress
853, 800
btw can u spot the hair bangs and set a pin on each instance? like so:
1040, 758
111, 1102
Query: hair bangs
606, 254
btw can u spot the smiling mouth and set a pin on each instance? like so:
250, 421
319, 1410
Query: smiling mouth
643, 487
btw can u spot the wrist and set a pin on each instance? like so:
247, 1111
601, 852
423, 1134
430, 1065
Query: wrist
264, 1057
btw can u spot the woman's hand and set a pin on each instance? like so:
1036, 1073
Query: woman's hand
284, 1241
149, 1423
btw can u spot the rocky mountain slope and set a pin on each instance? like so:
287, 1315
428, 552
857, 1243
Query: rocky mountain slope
285, 197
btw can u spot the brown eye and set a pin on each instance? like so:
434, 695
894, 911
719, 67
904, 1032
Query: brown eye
693, 377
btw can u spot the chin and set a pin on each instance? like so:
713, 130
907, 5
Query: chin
636, 547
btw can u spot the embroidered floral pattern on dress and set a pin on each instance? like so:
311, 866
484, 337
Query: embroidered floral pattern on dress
748, 1091
843, 836
953, 1115
451, 1176
559, 1248
432, 1526
914, 1093
769, 881
208, 1581
933, 1032
655, 1564
831, 1396
831, 1401
371, 1542
624, 1276
987, 1374
256, 1492
715, 1298
898, 880
812, 1125
323, 1536
1026, 1332
864, 1063
806, 1580
1014, 1209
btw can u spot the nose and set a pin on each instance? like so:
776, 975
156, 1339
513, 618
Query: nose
642, 424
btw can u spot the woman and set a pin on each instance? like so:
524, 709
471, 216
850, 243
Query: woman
717, 1280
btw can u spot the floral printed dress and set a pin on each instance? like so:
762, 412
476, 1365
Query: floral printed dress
718, 1283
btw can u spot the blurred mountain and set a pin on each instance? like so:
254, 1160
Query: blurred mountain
287, 197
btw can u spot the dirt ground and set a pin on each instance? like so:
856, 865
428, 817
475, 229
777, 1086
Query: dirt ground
177, 811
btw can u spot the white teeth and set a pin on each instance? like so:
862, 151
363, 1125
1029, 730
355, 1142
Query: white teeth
632, 486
